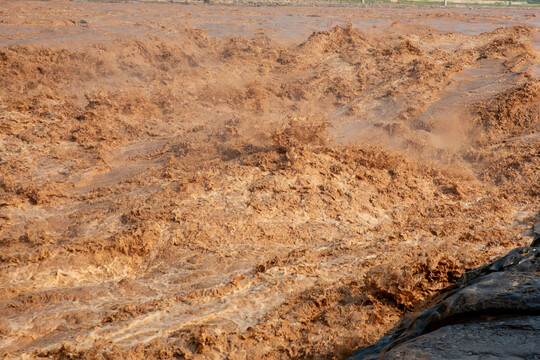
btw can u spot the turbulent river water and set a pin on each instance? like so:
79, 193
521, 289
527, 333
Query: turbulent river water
253, 182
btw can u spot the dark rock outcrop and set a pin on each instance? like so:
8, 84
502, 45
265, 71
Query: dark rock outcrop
493, 312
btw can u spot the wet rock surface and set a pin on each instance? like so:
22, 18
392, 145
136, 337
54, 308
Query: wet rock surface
492, 312
505, 338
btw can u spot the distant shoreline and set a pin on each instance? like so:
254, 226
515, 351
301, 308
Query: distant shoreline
495, 4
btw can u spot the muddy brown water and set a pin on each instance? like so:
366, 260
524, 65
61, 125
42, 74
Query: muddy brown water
285, 24
253, 182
